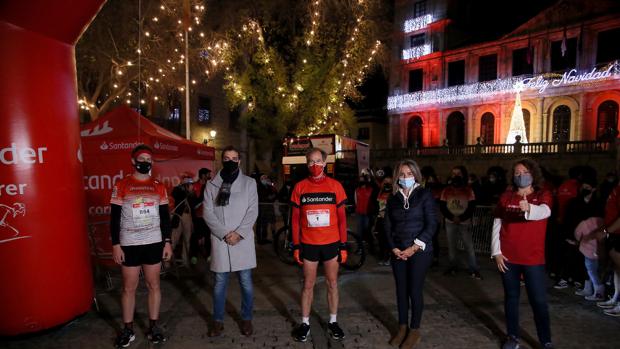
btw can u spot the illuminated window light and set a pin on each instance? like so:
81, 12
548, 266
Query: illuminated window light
417, 51
417, 23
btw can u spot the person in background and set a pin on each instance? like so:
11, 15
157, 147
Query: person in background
431, 182
140, 229
586, 205
410, 223
567, 191
230, 209
200, 242
364, 205
384, 250
518, 248
609, 234
267, 195
182, 226
284, 198
457, 203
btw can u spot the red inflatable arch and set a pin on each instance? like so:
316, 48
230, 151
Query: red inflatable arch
45, 273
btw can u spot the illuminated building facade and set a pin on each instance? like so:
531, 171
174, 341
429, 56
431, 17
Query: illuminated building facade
563, 60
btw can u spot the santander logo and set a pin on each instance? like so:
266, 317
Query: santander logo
118, 146
164, 146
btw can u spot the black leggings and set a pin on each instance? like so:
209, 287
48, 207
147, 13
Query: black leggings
409, 276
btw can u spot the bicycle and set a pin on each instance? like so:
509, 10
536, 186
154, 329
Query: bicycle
283, 247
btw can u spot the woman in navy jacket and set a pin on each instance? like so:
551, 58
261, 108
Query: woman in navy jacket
410, 223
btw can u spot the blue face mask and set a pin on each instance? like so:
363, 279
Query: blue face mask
523, 181
406, 183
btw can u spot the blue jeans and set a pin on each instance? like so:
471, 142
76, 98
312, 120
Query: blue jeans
592, 269
535, 285
453, 231
247, 294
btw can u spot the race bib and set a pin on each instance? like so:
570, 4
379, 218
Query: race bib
317, 218
144, 213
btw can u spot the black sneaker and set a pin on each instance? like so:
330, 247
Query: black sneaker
301, 333
155, 335
335, 331
476, 275
125, 338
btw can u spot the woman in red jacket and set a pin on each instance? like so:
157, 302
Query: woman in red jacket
518, 247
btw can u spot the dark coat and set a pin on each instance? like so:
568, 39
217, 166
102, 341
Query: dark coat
419, 221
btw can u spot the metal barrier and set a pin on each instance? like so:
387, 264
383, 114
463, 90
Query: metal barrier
481, 228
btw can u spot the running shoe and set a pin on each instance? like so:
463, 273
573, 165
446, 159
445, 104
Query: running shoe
301, 333
561, 284
335, 331
615, 311
608, 304
125, 338
476, 275
155, 335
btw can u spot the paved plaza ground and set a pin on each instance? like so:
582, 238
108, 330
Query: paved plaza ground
460, 312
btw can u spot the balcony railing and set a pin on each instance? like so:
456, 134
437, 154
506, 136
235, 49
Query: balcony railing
490, 150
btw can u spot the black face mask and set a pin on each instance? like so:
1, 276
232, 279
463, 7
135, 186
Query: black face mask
585, 192
457, 181
143, 167
387, 188
230, 166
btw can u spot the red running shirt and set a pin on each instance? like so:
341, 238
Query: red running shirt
318, 204
140, 201
612, 208
522, 241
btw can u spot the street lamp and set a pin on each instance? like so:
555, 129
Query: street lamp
212, 135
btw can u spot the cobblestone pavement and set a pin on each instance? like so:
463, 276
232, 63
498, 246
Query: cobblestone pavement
459, 313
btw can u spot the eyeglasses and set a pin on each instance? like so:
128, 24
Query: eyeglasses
315, 162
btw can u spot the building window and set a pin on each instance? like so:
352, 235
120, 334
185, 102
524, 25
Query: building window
415, 80
417, 40
607, 123
521, 63
456, 73
455, 129
561, 124
569, 60
608, 49
419, 8
204, 110
487, 68
487, 128
363, 133
526, 123
414, 132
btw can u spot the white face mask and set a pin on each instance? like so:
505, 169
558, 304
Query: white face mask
406, 183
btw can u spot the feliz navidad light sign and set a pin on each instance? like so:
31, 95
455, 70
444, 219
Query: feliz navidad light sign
487, 89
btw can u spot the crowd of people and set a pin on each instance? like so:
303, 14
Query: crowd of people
542, 229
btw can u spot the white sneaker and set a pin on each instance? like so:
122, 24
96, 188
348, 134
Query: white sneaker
608, 304
615, 311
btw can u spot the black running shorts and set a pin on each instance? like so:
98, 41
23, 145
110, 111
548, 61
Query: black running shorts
320, 253
143, 254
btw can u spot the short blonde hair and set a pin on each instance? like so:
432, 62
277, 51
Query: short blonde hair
413, 166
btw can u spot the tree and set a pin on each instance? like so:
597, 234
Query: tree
293, 70
136, 56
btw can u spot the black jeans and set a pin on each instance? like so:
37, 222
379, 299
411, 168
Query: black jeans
535, 285
409, 276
